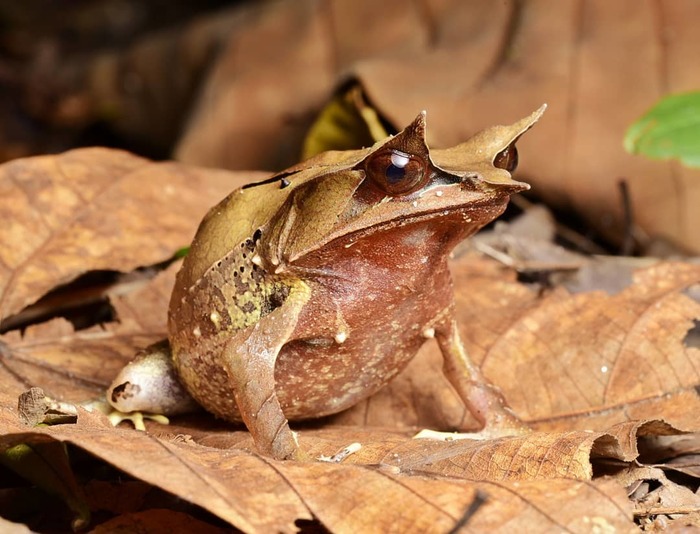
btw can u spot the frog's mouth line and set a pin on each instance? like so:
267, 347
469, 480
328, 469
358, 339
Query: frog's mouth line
496, 204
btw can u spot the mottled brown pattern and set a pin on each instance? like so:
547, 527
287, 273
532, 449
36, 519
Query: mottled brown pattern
234, 294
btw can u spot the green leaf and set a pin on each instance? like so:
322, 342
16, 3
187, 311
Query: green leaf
181, 253
670, 129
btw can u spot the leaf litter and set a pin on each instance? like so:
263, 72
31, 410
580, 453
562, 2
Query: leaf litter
544, 345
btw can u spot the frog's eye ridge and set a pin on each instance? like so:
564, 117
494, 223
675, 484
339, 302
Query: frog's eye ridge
396, 172
507, 158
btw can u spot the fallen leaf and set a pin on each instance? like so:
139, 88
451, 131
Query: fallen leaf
230, 482
157, 521
96, 209
588, 355
545, 349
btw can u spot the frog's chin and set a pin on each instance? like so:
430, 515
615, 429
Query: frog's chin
462, 217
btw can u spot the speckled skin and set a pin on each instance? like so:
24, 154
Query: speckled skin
306, 293
398, 298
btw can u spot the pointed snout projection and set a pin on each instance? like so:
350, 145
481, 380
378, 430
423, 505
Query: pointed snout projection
489, 155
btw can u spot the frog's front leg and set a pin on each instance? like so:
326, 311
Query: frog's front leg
484, 400
249, 360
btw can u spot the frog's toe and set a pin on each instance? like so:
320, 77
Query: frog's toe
116, 416
136, 418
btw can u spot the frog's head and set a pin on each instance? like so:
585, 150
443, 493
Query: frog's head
403, 178
399, 181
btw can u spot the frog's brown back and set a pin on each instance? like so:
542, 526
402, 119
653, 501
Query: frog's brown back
249, 209
220, 288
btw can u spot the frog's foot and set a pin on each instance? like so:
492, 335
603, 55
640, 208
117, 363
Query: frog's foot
146, 387
501, 422
427, 433
496, 427
115, 417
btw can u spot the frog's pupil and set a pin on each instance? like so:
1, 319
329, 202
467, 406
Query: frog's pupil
397, 170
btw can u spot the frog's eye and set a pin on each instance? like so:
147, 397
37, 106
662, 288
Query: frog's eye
507, 159
396, 172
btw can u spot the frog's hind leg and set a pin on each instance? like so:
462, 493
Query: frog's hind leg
149, 384
249, 360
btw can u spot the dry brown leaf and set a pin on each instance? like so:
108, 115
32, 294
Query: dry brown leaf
540, 481
338, 496
265, 113
230, 483
157, 521
94, 209
589, 355
77, 366
143, 307
688, 464
653, 493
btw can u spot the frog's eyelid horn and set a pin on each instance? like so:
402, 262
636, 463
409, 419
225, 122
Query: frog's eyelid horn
410, 140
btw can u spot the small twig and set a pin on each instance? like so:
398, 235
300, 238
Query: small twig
628, 241
571, 236
497, 255
667, 510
